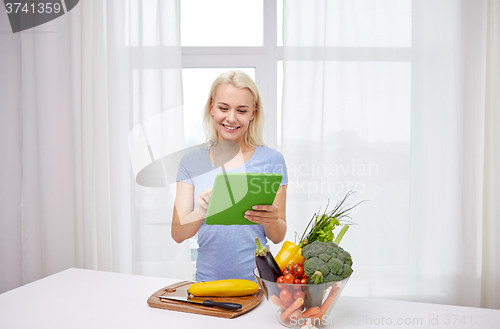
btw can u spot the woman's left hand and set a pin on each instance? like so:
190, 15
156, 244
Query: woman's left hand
263, 214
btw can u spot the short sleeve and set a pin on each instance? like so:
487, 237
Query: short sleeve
279, 167
183, 174
192, 165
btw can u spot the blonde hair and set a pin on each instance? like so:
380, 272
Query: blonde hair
239, 79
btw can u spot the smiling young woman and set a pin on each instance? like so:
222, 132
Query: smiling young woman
244, 87
232, 111
234, 120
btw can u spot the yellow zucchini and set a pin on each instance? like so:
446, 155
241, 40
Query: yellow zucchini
224, 288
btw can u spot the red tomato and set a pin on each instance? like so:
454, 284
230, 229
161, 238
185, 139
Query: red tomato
293, 268
296, 284
299, 294
286, 271
285, 296
299, 272
280, 280
288, 278
303, 281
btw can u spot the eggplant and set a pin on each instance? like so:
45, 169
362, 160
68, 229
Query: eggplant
266, 264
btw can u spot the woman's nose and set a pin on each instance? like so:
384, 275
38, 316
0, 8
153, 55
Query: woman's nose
231, 117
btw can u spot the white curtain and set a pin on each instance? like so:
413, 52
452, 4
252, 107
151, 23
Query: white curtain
89, 78
387, 98
490, 278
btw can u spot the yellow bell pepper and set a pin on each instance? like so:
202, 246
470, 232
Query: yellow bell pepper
289, 253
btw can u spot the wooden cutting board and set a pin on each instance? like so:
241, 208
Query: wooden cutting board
180, 289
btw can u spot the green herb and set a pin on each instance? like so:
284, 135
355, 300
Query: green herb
323, 225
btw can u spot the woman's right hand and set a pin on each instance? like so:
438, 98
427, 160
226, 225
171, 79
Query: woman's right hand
202, 201
185, 221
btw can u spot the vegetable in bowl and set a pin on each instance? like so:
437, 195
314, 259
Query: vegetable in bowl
326, 262
320, 228
315, 270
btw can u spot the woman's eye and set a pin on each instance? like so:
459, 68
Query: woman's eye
223, 108
242, 111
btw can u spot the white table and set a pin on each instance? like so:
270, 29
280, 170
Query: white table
78, 298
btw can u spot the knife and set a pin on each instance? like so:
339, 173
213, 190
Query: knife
201, 301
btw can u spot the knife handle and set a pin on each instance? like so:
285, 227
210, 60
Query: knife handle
232, 306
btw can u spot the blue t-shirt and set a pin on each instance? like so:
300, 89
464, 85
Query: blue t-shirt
226, 251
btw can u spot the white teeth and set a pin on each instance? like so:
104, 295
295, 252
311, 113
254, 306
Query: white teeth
231, 128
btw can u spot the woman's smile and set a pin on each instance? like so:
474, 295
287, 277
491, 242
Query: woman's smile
230, 128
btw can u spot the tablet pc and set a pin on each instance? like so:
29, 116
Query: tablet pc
235, 193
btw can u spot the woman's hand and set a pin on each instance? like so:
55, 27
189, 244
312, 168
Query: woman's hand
263, 214
272, 217
185, 221
202, 202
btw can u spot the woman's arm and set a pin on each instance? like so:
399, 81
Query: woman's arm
272, 217
186, 221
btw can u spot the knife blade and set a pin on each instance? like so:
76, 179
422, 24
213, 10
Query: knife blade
205, 302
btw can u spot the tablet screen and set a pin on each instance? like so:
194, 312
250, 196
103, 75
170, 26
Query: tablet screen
235, 193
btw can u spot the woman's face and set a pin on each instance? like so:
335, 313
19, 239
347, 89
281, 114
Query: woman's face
232, 109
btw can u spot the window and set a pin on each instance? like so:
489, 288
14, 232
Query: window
220, 35
222, 23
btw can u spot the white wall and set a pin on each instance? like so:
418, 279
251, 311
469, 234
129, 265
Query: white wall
10, 156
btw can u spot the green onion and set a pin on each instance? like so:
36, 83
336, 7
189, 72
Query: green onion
324, 224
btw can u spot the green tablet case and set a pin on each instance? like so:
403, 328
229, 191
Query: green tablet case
235, 193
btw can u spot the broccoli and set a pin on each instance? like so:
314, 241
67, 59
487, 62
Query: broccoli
335, 265
332, 277
324, 257
332, 248
316, 277
326, 262
314, 264
314, 249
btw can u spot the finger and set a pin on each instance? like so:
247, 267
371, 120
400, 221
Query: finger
260, 216
204, 197
202, 201
261, 221
205, 194
263, 207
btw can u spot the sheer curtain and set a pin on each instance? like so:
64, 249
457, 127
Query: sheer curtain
490, 278
89, 78
387, 98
